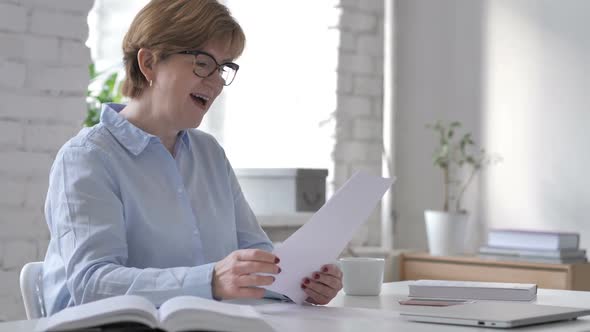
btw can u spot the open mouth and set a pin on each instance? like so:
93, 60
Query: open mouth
199, 99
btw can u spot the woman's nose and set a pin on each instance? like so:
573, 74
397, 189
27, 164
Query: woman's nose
215, 79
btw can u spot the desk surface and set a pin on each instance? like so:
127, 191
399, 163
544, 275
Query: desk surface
388, 300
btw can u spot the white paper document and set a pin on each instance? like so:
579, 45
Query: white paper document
320, 240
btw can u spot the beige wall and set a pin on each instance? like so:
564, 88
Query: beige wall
537, 114
517, 74
438, 69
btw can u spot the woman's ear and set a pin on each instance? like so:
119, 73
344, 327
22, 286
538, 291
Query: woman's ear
146, 61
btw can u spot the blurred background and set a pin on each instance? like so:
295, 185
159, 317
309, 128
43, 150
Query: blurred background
340, 85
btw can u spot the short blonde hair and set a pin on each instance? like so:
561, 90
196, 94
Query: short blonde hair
169, 26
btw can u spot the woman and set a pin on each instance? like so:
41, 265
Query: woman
143, 204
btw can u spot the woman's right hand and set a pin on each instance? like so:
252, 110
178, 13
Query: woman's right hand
236, 276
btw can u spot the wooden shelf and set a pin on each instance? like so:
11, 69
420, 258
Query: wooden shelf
414, 266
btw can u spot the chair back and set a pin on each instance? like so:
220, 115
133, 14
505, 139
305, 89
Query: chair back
31, 288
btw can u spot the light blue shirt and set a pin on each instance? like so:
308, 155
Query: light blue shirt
127, 217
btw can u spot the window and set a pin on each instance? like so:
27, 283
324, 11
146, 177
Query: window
277, 112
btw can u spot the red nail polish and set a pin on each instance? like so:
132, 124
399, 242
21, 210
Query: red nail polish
316, 275
306, 281
277, 260
324, 269
279, 270
303, 287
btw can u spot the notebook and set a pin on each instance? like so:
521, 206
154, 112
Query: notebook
473, 290
493, 314
512, 238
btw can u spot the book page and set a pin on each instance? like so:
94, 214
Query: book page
321, 240
124, 308
187, 313
193, 303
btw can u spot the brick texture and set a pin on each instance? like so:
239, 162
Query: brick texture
43, 80
359, 120
13, 17
12, 74
59, 24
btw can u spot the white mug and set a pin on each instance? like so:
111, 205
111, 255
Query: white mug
362, 275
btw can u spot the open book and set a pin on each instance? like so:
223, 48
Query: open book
183, 313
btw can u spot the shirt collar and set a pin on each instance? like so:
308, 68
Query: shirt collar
131, 137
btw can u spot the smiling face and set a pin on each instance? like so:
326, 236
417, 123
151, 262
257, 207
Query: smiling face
180, 99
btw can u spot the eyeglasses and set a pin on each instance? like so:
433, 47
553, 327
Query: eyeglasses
205, 65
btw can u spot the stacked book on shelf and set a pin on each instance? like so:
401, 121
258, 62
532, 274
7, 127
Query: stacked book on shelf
533, 246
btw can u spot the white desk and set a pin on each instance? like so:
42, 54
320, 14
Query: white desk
391, 294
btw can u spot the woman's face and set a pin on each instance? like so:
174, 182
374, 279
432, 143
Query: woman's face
181, 98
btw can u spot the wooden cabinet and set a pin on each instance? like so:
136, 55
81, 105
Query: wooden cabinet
415, 266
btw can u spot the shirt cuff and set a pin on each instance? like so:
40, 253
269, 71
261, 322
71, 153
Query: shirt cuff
198, 281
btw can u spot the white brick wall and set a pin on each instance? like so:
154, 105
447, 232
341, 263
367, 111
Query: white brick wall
59, 24
13, 192
351, 105
359, 119
43, 80
43, 77
13, 17
12, 74
12, 133
45, 137
18, 252
42, 108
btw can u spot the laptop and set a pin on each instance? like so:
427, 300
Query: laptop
492, 314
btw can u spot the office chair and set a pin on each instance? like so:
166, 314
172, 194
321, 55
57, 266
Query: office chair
31, 289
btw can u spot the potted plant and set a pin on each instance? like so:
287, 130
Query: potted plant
104, 87
460, 160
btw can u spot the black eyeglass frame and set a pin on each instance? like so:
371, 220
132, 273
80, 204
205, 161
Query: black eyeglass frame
231, 65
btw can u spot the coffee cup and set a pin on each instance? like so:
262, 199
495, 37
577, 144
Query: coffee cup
362, 275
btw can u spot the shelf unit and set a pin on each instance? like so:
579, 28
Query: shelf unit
414, 266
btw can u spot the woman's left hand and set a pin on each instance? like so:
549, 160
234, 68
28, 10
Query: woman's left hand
322, 286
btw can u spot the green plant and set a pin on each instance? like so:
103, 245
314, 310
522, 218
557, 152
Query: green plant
453, 153
103, 88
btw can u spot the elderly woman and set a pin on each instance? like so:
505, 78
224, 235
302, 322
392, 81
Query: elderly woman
144, 204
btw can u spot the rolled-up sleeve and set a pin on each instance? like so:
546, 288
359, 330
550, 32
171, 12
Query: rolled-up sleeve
86, 217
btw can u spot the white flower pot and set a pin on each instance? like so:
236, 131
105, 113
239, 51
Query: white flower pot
446, 232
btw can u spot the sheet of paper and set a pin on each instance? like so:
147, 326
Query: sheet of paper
321, 240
